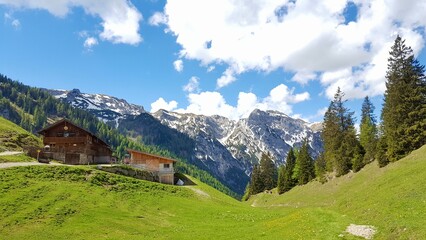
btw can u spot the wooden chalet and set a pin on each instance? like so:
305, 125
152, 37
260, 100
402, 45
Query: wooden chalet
162, 167
71, 144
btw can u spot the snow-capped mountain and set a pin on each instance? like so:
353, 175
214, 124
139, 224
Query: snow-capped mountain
226, 148
246, 139
270, 132
207, 133
106, 108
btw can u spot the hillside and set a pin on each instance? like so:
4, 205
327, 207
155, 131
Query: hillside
14, 138
59, 202
86, 203
392, 199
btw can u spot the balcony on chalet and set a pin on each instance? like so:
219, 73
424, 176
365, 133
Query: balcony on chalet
61, 140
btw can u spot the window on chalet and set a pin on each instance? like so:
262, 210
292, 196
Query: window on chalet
166, 165
65, 134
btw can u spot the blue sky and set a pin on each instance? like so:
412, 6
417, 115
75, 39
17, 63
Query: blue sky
213, 56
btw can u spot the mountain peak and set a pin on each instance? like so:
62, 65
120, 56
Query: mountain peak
105, 107
269, 112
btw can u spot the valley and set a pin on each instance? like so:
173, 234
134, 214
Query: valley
225, 148
45, 202
193, 120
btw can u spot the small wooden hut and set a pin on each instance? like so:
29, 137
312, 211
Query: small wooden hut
161, 166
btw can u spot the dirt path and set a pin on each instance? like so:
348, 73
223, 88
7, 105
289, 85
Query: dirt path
20, 164
8, 153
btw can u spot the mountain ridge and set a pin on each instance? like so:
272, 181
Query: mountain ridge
226, 148
107, 108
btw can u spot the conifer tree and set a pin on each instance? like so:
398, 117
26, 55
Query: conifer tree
358, 159
285, 173
321, 168
339, 136
304, 168
290, 163
404, 108
256, 183
381, 157
39, 118
368, 130
281, 179
269, 173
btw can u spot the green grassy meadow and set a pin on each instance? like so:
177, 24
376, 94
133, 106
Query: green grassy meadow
393, 198
60, 202
16, 158
14, 138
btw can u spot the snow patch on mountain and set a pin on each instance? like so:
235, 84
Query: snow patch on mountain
106, 108
246, 139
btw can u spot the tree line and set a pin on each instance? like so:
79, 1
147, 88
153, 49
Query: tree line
402, 129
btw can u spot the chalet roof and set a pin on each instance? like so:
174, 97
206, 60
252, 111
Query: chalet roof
71, 123
152, 155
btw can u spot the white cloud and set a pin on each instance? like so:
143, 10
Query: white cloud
209, 103
307, 37
90, 42
227, 78
15, 23
280, 98
178, 64
157, 19
193, 85
120, 18
162, 104
318, 116
246, 103
304, 77
211, 68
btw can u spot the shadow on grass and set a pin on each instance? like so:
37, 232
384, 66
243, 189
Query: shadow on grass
186, 181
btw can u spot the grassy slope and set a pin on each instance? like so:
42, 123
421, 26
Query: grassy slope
393, 198
16, 158
13, 137
59, 202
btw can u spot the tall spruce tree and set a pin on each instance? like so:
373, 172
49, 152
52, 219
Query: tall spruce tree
256, 183
320, 168
357, 158
304, 168
381, 157
339, 136
290, 163
368, 130
404, 107
269, 173
281, 179
285, 173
